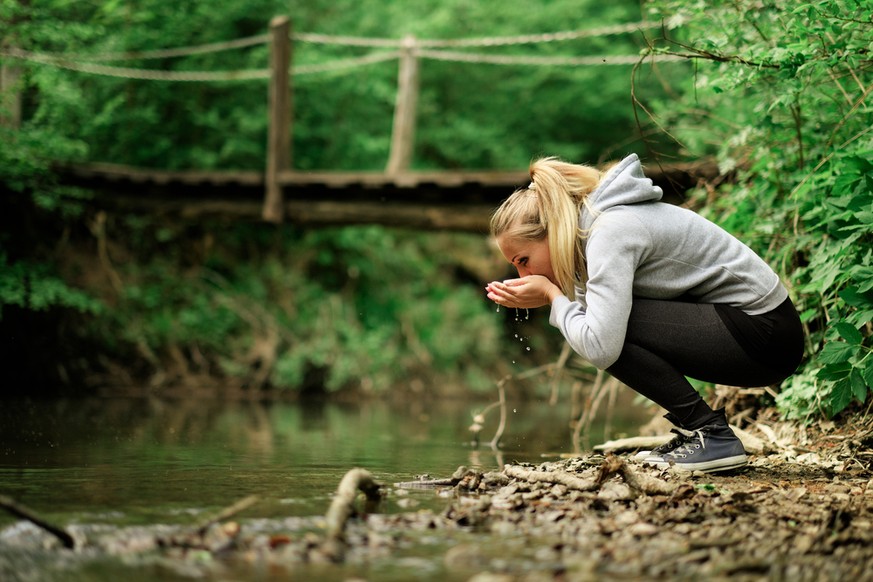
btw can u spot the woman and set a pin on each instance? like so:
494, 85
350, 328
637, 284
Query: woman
649, 292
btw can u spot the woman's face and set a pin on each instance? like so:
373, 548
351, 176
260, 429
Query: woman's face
527, 256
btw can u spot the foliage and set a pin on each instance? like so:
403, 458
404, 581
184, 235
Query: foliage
781, 96
312, 309
36, 287
29, 278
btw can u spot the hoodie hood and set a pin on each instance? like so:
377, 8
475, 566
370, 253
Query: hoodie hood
624, 184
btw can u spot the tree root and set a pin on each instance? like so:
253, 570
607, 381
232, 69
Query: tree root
639, 482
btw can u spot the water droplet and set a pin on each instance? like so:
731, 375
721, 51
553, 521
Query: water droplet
527, 348
527, 313
498, 309
514, 410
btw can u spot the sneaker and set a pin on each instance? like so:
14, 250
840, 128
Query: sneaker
682, 437
711, 448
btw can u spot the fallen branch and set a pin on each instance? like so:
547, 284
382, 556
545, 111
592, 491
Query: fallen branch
23, 512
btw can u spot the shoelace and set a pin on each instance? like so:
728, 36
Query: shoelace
685, 449
682, 437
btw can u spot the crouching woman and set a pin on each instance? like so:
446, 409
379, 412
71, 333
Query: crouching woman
650, 292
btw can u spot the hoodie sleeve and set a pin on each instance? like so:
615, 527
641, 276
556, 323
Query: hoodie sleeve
597, 332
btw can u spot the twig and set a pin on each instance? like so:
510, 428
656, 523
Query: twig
228, 511
495, 442
562, 361
23, 512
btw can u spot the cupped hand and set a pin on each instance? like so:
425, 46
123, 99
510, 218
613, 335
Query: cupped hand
523, 293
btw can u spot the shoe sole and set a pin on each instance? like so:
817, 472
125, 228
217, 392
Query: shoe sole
725, 464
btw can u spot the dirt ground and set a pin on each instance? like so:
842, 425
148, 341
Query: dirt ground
801, 510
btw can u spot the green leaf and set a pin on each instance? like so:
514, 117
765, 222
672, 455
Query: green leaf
840, 396
867, 374
860, 318
853, 297
859, 386
836, 352
848, 332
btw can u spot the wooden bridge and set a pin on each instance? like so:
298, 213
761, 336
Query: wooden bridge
461, 200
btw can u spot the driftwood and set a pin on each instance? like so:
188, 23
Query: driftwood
23, 512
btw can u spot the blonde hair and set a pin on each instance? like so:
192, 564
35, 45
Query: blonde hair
549, 209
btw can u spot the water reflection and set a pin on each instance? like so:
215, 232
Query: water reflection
148, 460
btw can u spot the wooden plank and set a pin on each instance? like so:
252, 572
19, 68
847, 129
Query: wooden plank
459, 217
468, 218
406, 180
121, 173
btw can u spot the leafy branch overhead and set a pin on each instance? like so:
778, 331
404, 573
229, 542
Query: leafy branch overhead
781, 95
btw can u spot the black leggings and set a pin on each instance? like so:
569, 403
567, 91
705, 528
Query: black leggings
669, 340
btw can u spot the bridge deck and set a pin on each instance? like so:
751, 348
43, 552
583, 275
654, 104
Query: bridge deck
461, 200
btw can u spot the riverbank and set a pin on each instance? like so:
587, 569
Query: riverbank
801, 510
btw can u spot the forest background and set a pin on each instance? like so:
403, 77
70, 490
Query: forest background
776, 91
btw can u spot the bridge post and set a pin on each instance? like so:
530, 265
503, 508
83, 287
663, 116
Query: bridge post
280, 118
403, 131
10, 96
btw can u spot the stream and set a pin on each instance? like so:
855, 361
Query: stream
146, 461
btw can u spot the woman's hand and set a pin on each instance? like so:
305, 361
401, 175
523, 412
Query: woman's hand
524, 293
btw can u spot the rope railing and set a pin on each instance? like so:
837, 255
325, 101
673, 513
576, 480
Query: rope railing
478, 42
333, 66
589, 61
194, 76
85, 63
170, 53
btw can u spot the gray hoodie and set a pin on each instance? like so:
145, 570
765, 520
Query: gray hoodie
638, 246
